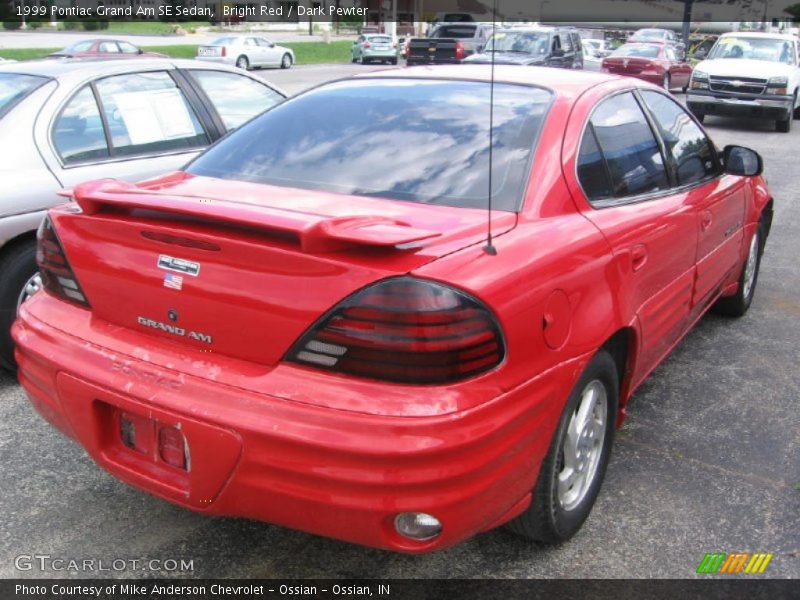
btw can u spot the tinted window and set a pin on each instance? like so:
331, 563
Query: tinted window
693, 154
630, 150
147, 113
415, 140
592, 172
78, 133
237, 98
14, 87
455, 31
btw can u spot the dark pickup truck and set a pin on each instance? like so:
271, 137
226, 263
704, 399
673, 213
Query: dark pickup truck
448, 43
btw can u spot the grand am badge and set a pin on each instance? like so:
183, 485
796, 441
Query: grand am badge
181, 265
175, 330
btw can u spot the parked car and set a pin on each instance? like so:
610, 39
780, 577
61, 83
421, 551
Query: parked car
104, 48
754, 75
448, 43
156, 115
599, 48
287, 330
374, 47
246, 52
662, 36
591, 60
542, 46
656, 63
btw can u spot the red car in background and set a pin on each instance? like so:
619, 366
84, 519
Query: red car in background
104, 48
287, 330
657, 63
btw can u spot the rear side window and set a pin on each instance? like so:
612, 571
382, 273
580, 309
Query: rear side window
436, 132
78, 133
14, 87
108, 47
629, 149
236, 98
693, 154
147, 113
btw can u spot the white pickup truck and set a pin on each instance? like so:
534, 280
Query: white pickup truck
749, 75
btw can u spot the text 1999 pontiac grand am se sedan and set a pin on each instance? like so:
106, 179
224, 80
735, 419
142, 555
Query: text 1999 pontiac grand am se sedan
289, 331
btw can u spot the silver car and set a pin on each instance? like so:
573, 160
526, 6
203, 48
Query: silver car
64, 122
246, 52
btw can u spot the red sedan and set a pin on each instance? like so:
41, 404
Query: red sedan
292, 330
656, 63
104, 48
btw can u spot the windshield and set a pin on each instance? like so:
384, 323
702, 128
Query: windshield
14, 87
640, 50
527, 42
649, 34
769, 49
410, 139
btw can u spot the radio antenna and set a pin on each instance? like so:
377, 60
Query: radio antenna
489, 247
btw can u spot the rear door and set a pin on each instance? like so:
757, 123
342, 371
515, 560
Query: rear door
622, 172
131, 126
718, 200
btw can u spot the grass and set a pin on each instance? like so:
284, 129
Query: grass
306, 53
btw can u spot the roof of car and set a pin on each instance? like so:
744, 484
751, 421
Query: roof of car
58, 68
562, 81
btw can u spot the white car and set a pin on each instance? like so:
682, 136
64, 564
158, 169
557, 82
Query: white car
66, 121
749, 75
246, 52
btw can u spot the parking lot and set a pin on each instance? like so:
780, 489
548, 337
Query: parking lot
708, 459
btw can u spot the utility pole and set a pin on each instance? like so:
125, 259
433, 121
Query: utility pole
687, 22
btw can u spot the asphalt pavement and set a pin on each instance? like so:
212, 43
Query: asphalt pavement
707, 461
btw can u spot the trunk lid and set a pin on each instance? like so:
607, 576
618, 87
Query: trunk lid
627, 64
244, 269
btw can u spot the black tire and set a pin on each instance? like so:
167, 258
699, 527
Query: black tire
738, 304
354, 60
286, 61
243, 62
667, 81
17, 266
546, 519
796, 111
699, 116
393, 61
784, 125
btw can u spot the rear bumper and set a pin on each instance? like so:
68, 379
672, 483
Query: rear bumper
772, 107
331, 472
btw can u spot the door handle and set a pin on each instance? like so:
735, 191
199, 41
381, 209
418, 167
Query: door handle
705, 220
638, 256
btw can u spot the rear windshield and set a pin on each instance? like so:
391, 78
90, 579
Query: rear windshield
455, 31
415, 140
642, 50
14, 87
223, 41
380, 39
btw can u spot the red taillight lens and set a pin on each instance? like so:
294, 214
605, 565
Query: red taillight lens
406, 330
224, 51
57, 275
459, 50
366, 45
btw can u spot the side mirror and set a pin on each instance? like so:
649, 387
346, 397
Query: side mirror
739, 160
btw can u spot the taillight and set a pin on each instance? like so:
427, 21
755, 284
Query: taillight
459, 50
366, 45
406, 330
57, 275
224, 51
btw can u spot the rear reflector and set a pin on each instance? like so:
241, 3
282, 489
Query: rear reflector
172, 447
57, 275
406, 330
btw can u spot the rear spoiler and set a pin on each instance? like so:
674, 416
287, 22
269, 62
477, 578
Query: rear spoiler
315, 233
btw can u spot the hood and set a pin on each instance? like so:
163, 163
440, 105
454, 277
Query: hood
744, 67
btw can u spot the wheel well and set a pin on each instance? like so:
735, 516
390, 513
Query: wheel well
22, 238
620, 347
